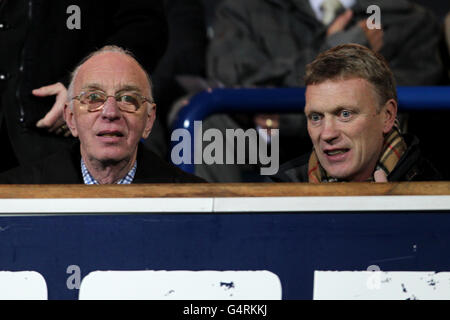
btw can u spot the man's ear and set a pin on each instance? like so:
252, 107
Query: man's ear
149, 121
69, 118
389, 112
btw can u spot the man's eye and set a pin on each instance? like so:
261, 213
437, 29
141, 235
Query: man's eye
314, 117
129, 99
94, 97
346, 114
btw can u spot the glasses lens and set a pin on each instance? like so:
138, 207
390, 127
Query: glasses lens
129, 102
93, 99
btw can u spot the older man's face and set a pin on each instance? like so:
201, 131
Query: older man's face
110, 134
346, 128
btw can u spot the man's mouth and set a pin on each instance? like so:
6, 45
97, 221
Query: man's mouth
110, 134
335, 152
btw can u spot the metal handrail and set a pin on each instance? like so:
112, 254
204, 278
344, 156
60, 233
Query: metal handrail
292, 100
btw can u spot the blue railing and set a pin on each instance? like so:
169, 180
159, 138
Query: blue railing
282, 100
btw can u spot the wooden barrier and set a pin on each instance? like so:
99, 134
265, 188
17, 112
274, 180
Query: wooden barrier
224, 190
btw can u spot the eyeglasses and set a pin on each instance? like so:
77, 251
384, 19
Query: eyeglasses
126, 101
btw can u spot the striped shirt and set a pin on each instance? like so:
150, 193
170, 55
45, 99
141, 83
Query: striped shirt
89, 179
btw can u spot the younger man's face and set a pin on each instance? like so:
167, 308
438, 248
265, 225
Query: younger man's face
346, 127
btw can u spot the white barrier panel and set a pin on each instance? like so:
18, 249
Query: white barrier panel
105, 205
332, 204
180, 285
379, 285
22, 285
232, 204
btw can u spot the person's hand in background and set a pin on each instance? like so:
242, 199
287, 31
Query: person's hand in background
374, 36
340, 23
53, 121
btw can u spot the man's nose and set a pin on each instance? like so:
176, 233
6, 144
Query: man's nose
111, 109
329, 131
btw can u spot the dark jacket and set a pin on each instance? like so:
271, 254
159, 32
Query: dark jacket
412, 166
37, 48
185, 54
64, 167
270, 42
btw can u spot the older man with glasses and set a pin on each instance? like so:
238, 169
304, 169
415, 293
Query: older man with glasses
110, 108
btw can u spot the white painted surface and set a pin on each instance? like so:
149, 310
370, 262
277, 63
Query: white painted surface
308, 204
379, 285
180, 285
22, 285
243, 204
105, 205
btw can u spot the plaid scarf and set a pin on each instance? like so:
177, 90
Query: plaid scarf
393, 148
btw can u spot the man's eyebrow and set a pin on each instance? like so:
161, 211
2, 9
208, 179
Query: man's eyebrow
129, 88
344, 107
335, 110
311, 110
94, 86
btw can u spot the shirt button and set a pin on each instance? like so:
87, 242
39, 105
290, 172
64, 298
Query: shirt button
4, 76
3, 26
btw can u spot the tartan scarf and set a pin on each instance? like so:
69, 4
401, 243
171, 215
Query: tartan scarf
393, 148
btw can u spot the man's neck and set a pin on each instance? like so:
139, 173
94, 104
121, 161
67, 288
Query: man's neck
108, 172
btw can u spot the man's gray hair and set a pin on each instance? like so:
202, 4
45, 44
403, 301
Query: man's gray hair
105, 49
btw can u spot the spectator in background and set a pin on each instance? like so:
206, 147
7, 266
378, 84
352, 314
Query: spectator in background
270, 42
437, 124
184, 60
351, 107
447, 41
266, 43
44, 41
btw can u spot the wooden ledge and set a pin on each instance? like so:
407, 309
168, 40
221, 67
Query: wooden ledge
223, 190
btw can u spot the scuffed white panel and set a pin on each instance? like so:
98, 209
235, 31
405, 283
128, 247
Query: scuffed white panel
379, 285
104, 205
180, 285
22, 285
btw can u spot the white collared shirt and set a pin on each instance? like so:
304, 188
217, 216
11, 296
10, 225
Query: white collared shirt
315, 4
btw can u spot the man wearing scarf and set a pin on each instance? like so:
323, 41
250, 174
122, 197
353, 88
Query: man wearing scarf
351, 110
